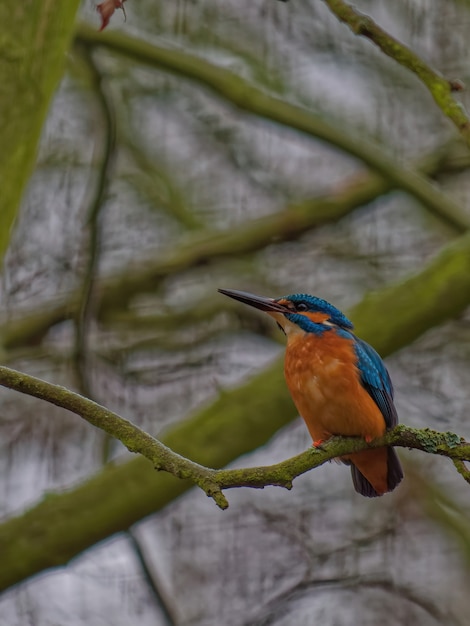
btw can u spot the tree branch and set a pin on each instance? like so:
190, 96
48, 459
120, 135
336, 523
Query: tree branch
93, 237
249, 98
213, 481
282, 474
440, 88
133, 437
462, 469
114, 292
236, 422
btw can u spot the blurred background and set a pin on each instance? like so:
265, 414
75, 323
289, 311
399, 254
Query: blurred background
161, 177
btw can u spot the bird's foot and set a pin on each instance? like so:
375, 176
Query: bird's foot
318, 443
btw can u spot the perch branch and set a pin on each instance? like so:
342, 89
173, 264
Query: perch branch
133, 437
213, 481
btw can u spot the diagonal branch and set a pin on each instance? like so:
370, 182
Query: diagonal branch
247, 97
212, 481
439, 88
115, 291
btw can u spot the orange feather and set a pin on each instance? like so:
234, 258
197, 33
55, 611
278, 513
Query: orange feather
325, 385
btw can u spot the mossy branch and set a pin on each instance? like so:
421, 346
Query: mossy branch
213, 481
439, 87
238, 421
247, 97
114, 292
282, 474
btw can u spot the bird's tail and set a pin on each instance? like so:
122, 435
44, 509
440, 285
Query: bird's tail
394, 475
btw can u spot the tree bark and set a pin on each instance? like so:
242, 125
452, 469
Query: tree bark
34, 38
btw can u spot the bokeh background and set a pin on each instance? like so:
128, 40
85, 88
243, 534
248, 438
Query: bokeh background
150, 191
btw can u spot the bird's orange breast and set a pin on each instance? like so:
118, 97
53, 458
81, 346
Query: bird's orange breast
324, 382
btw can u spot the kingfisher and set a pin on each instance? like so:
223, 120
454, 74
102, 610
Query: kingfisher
338, 382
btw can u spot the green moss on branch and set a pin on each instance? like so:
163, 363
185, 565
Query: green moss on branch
61, 526
439, 88
249, 98
114, 293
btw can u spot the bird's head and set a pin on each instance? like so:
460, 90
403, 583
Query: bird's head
297, 313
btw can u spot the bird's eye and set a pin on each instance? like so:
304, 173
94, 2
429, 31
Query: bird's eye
301, 306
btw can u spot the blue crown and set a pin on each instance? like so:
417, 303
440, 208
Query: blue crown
318, 305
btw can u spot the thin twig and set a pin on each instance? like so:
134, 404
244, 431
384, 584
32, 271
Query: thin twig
149, 576
93, 245
462, 469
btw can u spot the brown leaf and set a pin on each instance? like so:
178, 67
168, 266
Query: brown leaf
106, 10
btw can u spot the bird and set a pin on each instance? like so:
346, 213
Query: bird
338, 382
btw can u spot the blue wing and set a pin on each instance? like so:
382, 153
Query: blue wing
376, 380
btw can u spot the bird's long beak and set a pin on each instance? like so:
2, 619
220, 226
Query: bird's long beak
264, 304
